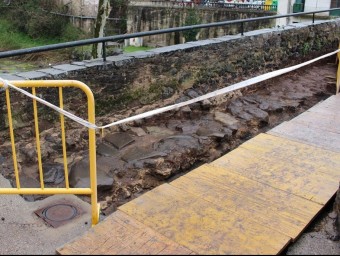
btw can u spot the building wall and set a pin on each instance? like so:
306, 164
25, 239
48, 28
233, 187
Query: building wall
315, 5
80, 7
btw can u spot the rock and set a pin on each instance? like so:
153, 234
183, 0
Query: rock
124, 127
206, 104
225, 118
119, 140
30, 153
140, 153
185, 109
182, 99
153, 163
159, 131
28, 182
242, 133
167, 92
54, 173
206, 132
106, 150
162, 173
138, 131
180, 149
192, 94
79, 175
103, 205
108, 199
60, 160
126, 193
53, 138
257, 113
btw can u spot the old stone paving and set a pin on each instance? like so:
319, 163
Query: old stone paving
139, 156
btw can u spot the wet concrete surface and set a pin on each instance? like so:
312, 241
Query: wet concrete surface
22, 232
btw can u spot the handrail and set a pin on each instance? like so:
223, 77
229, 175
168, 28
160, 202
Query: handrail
103, 40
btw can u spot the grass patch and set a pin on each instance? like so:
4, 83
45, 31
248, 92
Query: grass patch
11, 39
130, 48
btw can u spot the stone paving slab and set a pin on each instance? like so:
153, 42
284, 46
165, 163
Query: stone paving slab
68, 67
119, 140
32, 75
141, 54
120, 60
311, 135
11, 77
52, 71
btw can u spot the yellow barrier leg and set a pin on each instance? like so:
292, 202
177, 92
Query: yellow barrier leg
338, 72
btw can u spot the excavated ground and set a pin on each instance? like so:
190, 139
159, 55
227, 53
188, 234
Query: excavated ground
136, 157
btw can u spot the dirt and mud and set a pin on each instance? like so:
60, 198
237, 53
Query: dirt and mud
136, 157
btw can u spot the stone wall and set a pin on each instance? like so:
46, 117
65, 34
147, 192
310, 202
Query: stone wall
132, 80
145, 18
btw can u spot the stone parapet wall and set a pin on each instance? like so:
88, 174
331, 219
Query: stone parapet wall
145, 77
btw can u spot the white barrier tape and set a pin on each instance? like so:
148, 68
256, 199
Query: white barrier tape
231, 88
6, 84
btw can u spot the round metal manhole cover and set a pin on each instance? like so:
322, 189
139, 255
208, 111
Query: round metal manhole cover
60, 212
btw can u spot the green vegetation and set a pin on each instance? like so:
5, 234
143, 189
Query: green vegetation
306, 48
130, 48
29, 23
11, 39
192, 18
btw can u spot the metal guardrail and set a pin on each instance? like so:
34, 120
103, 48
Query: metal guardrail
92, 191
103, 40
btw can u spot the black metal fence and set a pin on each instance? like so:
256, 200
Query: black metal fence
116, 38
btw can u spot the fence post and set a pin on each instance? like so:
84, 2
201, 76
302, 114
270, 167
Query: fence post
104, 51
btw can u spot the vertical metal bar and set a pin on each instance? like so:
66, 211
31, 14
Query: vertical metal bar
104, 51
37, 136
338, 80
63, 137
242, 28
313, 17
10, 123
93, 165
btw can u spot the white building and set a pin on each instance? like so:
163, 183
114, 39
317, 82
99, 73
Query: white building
296, 6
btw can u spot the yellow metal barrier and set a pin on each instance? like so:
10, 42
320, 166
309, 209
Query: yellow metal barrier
92, 191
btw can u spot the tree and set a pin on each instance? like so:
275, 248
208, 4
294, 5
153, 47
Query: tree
102, 15
192, 18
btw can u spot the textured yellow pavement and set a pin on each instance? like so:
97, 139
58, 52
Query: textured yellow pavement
254, 200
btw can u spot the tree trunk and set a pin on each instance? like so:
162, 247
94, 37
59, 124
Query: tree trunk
103, 14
